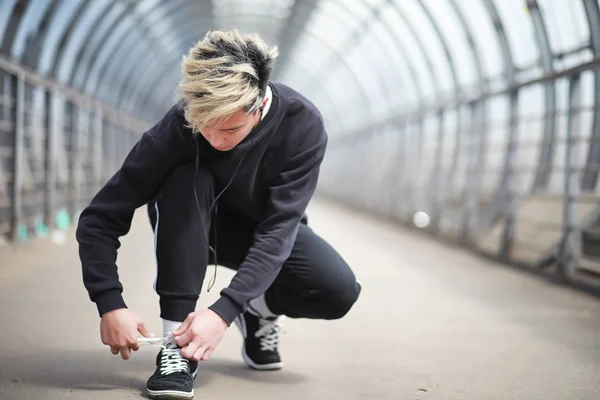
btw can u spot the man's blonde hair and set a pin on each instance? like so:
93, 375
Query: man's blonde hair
223, 73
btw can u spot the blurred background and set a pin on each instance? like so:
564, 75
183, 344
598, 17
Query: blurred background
474, 123
473, 120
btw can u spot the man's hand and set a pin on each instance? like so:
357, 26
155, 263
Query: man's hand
119, 328
200, 334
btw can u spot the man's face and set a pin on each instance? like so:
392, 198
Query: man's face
227, 134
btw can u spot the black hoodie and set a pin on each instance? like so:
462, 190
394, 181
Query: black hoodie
276, 170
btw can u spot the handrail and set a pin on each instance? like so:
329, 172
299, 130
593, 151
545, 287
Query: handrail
112, 114
464, 99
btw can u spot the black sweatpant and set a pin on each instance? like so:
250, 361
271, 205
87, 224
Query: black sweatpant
315, 282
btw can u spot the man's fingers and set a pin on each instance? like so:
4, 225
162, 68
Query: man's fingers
144, 331
199, 354
185, 338
125, 353
185, 325
207, 354
135, 345
189, 350
114, 350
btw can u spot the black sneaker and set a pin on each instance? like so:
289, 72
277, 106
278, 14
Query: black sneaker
261, 338
174, 375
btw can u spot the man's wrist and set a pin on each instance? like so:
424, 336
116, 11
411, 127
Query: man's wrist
220, 318
108, 301
227, 309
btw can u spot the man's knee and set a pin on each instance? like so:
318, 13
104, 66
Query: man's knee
339, 300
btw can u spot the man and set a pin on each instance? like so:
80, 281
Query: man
226, 175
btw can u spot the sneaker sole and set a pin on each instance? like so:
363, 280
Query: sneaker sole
170, 394
248, 360
260, 367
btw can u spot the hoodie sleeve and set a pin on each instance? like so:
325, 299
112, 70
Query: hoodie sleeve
276, 233
110, 212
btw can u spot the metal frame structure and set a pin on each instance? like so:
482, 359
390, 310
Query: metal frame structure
410, 131
26, 210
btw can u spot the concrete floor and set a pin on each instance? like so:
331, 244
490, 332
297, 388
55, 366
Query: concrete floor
432, 323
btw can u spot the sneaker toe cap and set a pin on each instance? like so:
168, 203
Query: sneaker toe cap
177, 382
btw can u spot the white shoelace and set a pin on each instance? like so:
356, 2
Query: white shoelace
172, 361
268, 333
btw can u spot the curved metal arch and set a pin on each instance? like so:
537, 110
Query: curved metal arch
85, 43
505, 194
316, 37
420, 45
95, 41
26, 26
131, 92
510, 72
389, 33
331, 101
75, 43
107, 52
65, 36
107, 57
139, 57
105, 89
509, 64
135, 64
363, 25
302, 11
16, 18
422, 48
481, 81
164, 87
125, 26
420, 98
91, 84
426, 57
128, 42
590, 175
7, 15
543, 171
50, 43
471, 43
341, 56
479, 117
438, 176
36, 43
375, 13
401, 48
415, 35
429, 62
419, 42
442, 41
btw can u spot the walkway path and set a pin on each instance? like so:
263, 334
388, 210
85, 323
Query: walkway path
432, 323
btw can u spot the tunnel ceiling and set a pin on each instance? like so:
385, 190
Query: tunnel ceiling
391, 57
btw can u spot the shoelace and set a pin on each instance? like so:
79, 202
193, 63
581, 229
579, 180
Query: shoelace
171, 361
268, 333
